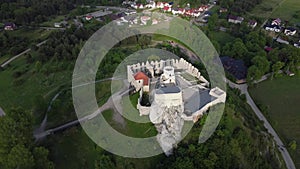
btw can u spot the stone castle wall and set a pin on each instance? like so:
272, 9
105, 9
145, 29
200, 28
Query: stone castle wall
158, 66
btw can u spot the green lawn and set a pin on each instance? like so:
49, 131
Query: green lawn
31, 33
21, 91
287, 10
221, 37
131, 127
281, 96
265, 9
50, 23
74, 149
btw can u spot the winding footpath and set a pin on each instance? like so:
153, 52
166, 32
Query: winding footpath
285, 154
113, 102
1, 112
20, 54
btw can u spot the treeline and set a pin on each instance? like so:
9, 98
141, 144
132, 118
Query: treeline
11, 44
17, 149
33, 11
250, 48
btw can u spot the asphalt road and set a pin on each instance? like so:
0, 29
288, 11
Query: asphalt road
285, 154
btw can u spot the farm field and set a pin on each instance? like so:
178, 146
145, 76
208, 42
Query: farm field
281, 97
289, 10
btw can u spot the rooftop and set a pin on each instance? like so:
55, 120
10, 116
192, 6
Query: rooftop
168, 90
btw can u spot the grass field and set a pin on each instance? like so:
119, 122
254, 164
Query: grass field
288, 10
265, 9
21, 91
284, 9
221, 37
74, 149
51, 22
281, 96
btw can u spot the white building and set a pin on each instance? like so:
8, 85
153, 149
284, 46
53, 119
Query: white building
290, 31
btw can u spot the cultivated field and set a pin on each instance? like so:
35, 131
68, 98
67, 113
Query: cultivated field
281, 96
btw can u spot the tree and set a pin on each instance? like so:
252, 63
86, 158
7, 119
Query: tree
19, 157
16, 142
104, 162
38, 66
239, 49
293, 145
210, 162
274, 55
253, 74
262, 63
40, 155
276, 67
212, 22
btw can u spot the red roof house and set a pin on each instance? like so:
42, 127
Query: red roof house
142, 76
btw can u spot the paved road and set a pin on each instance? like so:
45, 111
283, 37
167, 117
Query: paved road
20, 54
113, 8
52, 28
285, 154
2, 113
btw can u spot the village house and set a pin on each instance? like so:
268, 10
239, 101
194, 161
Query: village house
181, 11
235, 19
167, 9
297, 44
276, 22
207, 13
203, 8
279, 40
62, 24
273, 28
290, 31
160, 5
268, 49
252, 23
138, 6
88, 17
151, 5
175, 11
9, 26
223, 10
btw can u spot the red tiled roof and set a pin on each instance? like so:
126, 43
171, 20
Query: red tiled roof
142, 76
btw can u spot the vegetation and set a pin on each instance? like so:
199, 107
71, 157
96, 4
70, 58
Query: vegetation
241, 6
16, 143
280, 104
288, 11
230, 147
